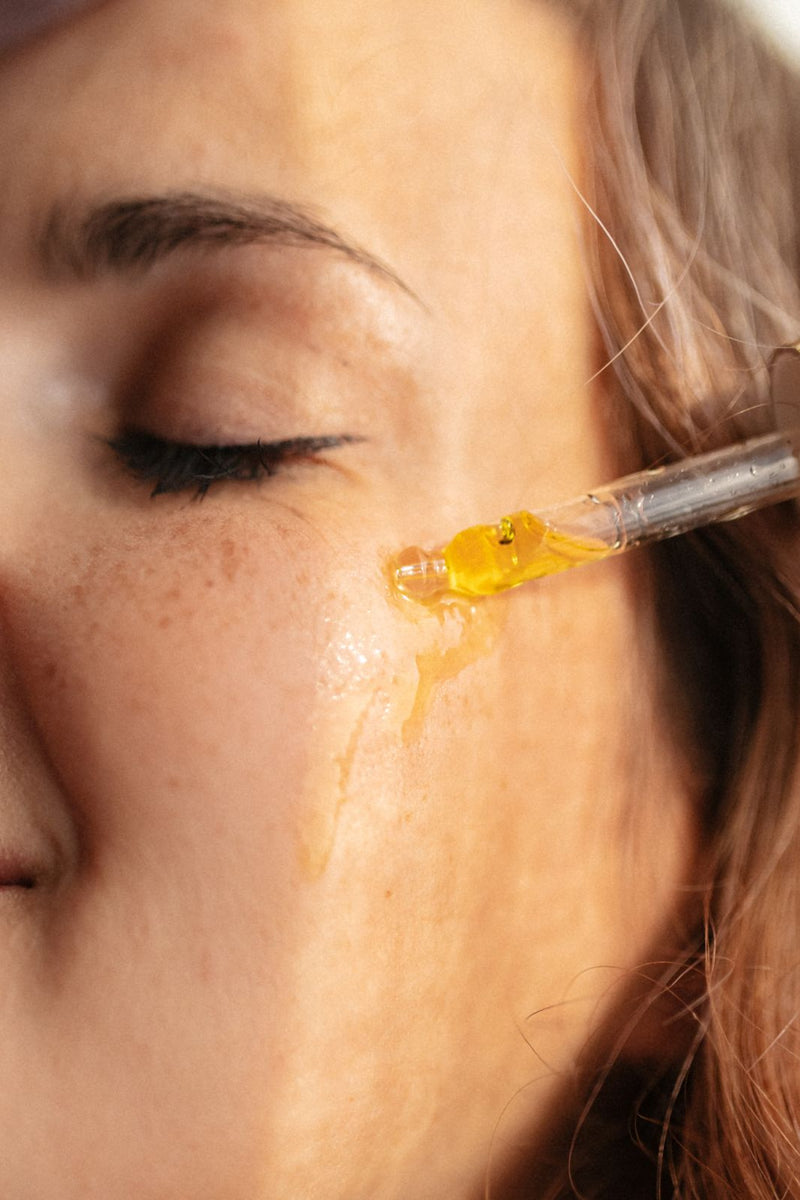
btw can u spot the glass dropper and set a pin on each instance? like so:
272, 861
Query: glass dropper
645, 507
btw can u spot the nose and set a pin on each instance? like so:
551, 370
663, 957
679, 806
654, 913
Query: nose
36, 827
38, 839
38, 400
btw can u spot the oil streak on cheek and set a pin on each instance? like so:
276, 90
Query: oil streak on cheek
375, 705
354, 699
468, 633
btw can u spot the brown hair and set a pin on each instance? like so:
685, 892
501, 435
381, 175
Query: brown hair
693, 253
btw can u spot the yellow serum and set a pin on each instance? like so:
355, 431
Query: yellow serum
486, 559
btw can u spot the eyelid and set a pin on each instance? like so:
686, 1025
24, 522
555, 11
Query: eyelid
181, 466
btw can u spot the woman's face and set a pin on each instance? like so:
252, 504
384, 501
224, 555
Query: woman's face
301, 860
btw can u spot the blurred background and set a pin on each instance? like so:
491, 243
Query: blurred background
782, 19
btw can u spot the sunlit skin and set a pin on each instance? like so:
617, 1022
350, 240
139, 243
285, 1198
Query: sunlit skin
306, 857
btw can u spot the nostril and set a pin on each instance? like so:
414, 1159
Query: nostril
14, 873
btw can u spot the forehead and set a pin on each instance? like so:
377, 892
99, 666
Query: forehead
388, 110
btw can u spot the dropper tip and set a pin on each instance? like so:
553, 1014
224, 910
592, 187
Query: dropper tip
420, 575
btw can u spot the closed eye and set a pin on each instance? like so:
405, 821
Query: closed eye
181, 466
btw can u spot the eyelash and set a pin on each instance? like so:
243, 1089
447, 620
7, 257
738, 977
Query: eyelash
181, 467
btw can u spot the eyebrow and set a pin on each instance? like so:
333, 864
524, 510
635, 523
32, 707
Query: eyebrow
133, 234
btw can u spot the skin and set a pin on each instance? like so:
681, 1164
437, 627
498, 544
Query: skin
20, 19
306, 857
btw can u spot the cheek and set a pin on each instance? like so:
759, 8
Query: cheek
153, 661
223, 686
174, 668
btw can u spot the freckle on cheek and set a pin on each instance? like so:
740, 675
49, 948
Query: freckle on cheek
229, 560
232, 556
